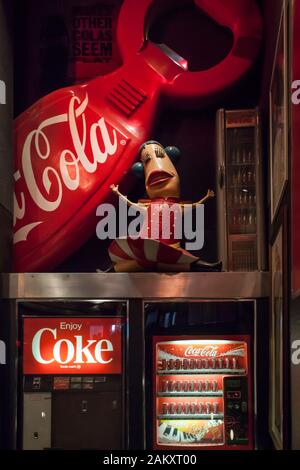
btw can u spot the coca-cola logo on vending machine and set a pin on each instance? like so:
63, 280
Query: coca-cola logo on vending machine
72, 346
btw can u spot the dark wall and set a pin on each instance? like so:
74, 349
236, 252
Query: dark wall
44, 55
273, 9
272, 12
295, 374
5, 138
271, 17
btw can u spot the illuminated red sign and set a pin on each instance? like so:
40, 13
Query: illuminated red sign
72, 346
217, 354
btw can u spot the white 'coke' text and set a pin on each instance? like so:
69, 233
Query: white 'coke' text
74, 353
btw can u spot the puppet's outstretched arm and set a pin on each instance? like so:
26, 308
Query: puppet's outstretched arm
209, 195
115, 189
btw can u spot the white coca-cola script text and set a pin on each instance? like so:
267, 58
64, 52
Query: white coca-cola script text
46, 189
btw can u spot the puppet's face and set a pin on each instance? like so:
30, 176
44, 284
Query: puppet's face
161, 177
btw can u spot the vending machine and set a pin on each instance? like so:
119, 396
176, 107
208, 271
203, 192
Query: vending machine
204, 374
72, 376
202, 394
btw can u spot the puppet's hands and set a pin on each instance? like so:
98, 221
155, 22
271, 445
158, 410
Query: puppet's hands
114, 188
208, 195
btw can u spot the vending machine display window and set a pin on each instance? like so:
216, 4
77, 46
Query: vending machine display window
202, 394
201, 374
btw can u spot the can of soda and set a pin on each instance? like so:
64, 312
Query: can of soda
204, 363
185, 386
185, 364
172, 408
213, 363
171, 364
192, 363
198, 364
171, 386
215, 408
164, 408
179, 408
178, 364
192, 386
164, 385
178, 386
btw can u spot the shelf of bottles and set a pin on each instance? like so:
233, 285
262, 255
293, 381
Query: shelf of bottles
241, 196
241, 181
190, 398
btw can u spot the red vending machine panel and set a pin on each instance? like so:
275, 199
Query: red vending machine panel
202, 392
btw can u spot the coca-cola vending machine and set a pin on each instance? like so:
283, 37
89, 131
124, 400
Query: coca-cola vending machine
72, 370
202, 395
205, 377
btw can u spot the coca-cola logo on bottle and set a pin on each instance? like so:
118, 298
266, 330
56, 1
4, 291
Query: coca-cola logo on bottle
71, 346
56, 157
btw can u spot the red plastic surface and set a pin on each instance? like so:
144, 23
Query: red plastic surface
72, 346
73, 144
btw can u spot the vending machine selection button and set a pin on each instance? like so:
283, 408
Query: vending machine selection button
234, 394
244, 407
36, 383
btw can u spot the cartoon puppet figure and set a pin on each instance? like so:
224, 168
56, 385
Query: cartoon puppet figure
162, 252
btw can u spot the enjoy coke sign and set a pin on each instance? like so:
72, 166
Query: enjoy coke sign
72, 346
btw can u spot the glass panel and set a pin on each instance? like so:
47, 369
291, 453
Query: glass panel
191, 347
189, 394
244, 254
241, 180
